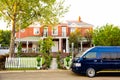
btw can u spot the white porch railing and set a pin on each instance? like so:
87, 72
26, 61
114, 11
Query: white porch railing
22, 62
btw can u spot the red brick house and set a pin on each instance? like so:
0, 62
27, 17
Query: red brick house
60, 33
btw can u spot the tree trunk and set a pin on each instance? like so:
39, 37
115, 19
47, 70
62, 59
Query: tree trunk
12, 41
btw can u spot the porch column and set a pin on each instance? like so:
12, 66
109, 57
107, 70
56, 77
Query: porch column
27, 46
60, 44
67, 45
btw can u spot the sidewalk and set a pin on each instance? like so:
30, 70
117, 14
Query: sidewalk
54, 64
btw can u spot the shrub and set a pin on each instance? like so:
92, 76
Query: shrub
27, 54
2, 62
60, 62
48, 59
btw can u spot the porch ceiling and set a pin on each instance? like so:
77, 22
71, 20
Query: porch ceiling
33, 38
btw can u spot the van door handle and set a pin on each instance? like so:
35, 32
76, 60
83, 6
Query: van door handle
95, 60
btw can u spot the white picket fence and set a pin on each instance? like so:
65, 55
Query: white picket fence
22, 62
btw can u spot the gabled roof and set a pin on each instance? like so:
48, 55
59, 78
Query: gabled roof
78, 24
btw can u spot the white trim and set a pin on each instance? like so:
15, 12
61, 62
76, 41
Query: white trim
27, 46
67, 45
60, 45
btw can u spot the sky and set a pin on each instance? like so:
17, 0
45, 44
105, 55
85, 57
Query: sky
95, 12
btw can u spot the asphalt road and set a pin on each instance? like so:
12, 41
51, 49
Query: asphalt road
54, 75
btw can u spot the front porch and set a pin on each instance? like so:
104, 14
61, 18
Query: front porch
30, 44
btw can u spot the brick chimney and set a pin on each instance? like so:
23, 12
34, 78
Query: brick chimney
79, 19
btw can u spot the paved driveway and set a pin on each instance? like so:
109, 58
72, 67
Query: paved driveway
53, 75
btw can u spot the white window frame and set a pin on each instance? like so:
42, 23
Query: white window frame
72, 29
55, 30
45, 32
36, 31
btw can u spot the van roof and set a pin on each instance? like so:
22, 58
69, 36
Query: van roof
106, 48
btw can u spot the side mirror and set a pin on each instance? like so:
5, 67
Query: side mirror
84, 57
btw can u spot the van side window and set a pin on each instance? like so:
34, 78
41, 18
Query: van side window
118, 56
90, 55
105, 56
109, 56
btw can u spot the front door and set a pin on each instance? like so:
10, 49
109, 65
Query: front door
55, 47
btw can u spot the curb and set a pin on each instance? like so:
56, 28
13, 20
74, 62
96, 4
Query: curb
14, 71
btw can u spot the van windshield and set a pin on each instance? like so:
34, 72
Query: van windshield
78, 55
81, 54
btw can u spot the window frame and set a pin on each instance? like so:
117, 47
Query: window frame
55, 30
36, 31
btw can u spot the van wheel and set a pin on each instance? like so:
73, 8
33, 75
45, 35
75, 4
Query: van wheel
90, 72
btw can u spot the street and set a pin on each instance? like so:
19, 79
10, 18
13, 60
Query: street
53, 75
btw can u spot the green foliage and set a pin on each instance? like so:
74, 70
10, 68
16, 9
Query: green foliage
38, 60
75, 38
46, 44
48, 59
19, 49
89, 36
5, 38
107, 35
68, 62
24, 12
58, 61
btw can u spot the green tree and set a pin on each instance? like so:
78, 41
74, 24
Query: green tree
46, 45
22, 13
107, 35
75, 38
89, 36
5, 38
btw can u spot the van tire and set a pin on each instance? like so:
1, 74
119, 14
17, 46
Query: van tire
90, 72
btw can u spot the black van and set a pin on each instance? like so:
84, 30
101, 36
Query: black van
96, 59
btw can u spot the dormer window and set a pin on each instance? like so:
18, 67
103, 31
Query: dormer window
36, 31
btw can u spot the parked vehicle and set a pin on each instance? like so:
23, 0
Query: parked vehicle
97, 59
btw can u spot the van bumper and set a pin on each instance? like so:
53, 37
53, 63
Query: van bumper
77, 70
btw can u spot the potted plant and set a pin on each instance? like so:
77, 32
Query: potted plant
38, 62
67, 60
